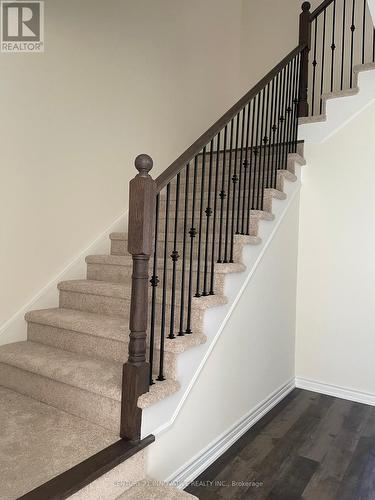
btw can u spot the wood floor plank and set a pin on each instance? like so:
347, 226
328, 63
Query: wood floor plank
290, 414
359, 480
292, 482
322, 489
317, 444
309, 447
287, 447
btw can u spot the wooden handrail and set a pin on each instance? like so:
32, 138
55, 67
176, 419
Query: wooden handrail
315, 13
205, 138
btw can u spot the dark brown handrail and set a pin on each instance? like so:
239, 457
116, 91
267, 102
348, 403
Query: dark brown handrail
315, 13
171, 172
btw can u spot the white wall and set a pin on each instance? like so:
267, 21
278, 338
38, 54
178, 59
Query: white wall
371, 4
132, 77
270, 30
336, 273
258, 341
118, 78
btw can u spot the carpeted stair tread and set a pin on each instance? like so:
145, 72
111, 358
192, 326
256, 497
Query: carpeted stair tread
275, 193
297, 158
99, 325
38, 442
154, 490
158, 391
122, 238
289, 176
92, 287
123, 291
126, 260
111, 327
93, 375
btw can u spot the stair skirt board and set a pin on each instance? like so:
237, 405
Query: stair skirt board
157, 418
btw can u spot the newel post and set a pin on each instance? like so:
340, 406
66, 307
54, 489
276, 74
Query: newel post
304, 38
142, 198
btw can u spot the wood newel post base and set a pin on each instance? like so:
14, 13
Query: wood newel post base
135, 377
304, 38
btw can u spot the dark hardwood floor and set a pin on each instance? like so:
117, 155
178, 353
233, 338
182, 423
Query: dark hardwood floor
310, 447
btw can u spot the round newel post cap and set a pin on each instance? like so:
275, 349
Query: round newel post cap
143, 163
306, 6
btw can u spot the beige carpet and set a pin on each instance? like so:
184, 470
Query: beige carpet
38, 442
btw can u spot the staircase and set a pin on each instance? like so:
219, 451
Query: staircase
146, 302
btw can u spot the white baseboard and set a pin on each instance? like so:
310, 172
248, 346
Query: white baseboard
14, 329
336, 391
191, 470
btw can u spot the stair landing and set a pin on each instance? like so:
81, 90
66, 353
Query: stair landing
38, 442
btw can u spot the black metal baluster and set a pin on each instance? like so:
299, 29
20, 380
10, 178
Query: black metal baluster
251, 163
293, 103
246, 168
270, 135
164, 299
289, 111
364, 30
154, 283
333, 45
343, 45
264, 146
282, 120
183, 270
222, 194
373, 46
275, 128
314, 63
192, 234
296, 103
256, 152
212, 284
279, 125
174, 256
352, 29
260, 151
227, 249
203, 173
285, 124
234, 180
323, 60
208, 212
240, 172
